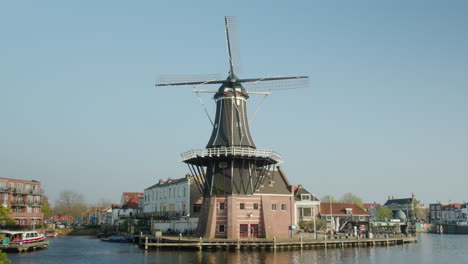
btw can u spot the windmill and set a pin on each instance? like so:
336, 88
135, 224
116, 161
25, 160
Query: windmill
231, 164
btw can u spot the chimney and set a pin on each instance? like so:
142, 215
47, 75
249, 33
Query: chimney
169, 179
161, 181
187, 176
299, 186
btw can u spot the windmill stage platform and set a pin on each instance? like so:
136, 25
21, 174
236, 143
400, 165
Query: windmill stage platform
151, 242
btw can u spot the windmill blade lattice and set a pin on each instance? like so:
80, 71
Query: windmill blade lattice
184, 80
276, 84
232, 42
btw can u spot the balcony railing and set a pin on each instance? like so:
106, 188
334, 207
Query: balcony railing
231, 151
19, 191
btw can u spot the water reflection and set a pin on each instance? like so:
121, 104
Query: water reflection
71, 250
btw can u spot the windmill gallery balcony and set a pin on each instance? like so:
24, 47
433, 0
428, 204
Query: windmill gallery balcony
193, 156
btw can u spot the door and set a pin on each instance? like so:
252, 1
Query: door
254, 231
244, 231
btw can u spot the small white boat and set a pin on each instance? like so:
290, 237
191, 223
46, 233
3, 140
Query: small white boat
21, 237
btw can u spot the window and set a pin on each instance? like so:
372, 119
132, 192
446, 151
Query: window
305, 197
255, 206
221, 228
273, 207
242, 206
307, 212
196, 208
222, 206
283, 207
362, 218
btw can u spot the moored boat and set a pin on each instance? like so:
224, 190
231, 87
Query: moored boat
21, 237
118, 239
51, 233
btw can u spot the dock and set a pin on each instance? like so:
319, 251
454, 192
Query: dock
23, 247
148, 242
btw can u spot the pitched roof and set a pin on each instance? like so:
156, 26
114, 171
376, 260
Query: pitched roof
399, 201
340, 209
132, 202
298, 190
128, 198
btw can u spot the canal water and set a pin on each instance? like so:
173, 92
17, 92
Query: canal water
431, 248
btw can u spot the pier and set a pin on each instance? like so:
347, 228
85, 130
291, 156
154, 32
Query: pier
148, 242
23, 247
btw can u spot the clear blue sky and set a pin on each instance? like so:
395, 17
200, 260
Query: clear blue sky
386, 112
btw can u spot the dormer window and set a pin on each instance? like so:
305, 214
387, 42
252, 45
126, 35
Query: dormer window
306, 197
349, 211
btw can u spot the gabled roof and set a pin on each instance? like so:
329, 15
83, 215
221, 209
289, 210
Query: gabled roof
340, 209
130, 199
132, 202
402, 201
298, 190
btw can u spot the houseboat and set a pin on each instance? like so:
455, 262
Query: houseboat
23, 237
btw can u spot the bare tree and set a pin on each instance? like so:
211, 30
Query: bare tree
103, 203
70, 204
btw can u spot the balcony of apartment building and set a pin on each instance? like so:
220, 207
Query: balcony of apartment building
16, 190
27, 215
19, 203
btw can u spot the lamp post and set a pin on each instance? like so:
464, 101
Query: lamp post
315, 229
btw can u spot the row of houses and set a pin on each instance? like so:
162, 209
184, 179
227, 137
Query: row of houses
452, 213
175, 205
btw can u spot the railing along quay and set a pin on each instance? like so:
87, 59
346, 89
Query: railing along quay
147, 242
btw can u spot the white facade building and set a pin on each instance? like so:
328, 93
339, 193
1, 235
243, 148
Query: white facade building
173, 204
169, 198
307, 206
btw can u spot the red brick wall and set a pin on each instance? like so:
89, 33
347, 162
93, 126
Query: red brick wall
270, 223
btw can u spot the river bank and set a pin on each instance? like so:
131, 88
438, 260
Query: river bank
430, 249
77, 231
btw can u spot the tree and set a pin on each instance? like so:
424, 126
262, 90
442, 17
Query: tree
328, 198
418, 212
352, 198
384, 212
46, 210
3, 258
5, 217
70, 204
104, 203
